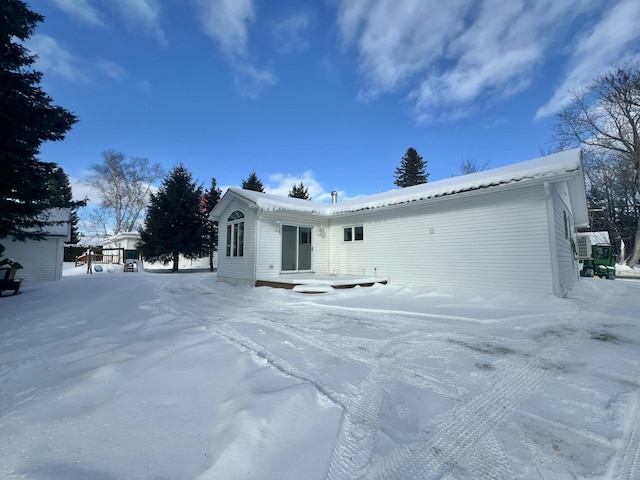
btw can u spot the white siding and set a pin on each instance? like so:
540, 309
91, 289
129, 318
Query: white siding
237, 270
567, 266
42, 260
270, 244
496, 240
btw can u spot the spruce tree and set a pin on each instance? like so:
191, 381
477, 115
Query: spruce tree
61, 196
299, 191
253, 183
27, 119
174, 223
210, 199
412, 170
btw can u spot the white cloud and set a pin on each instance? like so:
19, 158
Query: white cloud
53, 59
281, 184
251, 81
83, 10
290, 33
111, 69
448, 56
81, 190
610, 41
142, 15
226, 21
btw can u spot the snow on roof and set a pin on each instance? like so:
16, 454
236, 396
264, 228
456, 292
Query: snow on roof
562, 163
598, 237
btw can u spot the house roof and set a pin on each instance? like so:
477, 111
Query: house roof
121, 236
563, 165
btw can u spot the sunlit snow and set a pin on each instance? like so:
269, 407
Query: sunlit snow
174, 376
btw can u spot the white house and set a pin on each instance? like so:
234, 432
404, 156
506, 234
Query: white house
506, 229
125, 240
42, 260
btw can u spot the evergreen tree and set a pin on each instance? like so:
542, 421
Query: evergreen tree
174, 223
61, 196
299, 191
27, 119
210, 199
412, 170
253, 183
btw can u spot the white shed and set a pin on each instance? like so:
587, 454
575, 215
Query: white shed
506, 229
42, 260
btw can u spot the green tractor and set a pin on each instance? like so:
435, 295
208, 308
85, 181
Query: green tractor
598, 259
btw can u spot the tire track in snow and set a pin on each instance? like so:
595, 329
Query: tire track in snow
463, 431
626, 462
236, 337
352, 451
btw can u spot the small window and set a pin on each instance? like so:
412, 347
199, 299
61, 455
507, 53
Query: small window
353, 233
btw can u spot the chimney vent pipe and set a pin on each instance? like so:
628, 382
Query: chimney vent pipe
334, 197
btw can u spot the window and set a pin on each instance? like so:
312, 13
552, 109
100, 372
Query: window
235, 234
353, 233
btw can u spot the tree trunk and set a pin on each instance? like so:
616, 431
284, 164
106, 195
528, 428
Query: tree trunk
211, 259
635, 254
176, 258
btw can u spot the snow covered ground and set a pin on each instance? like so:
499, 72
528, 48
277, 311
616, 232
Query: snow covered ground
149, 376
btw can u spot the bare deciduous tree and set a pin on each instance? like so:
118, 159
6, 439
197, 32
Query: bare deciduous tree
605, 119
124, 187
467, 166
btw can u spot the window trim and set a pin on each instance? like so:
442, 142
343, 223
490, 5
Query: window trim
235, 234
351, 234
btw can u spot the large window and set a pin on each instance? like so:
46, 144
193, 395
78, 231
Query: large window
235, 234
353, 233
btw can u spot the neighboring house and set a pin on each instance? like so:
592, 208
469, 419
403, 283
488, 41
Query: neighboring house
42, 260
507, 229
127, 241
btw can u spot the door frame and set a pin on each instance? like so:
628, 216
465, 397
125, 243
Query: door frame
308, 229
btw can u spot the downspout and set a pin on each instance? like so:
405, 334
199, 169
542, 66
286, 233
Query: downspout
552, 241
256, 252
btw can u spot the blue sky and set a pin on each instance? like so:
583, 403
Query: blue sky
327, 92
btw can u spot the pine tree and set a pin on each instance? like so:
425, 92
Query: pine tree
210, 199
27, 119
299, 191
61, 196
174, 223
253, 183
412, 170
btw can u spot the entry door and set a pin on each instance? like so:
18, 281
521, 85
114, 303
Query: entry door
296, 248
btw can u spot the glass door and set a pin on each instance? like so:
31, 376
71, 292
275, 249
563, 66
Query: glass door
296, 248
